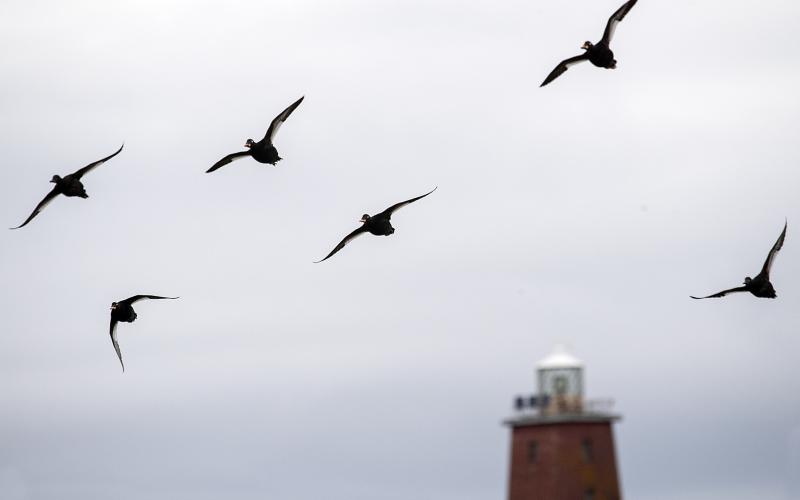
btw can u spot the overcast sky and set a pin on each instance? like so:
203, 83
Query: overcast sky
585, 212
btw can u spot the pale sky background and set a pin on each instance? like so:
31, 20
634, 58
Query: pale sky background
585, 212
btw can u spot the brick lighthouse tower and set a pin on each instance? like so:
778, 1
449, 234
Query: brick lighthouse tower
562, 445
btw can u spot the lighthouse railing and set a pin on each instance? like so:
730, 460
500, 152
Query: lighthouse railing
538, 404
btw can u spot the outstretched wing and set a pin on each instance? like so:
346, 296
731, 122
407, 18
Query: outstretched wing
113, 333
775, 249
614, 20
347, 239
47, 199
388, 212
278, 121
722, 293
88, 168
564, 66
136, 298
228, 159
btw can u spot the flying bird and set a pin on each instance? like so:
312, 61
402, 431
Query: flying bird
262, 151
69, 185
123, 311
378, 224
759, 286
599, 54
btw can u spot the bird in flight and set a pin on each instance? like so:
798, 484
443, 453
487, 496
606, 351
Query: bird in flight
123, 311
262, 151
69, 185
378, 224
759, 286
599, 54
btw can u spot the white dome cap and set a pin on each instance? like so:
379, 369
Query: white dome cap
559, 358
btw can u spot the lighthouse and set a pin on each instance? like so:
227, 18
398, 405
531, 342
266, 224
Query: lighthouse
562, 445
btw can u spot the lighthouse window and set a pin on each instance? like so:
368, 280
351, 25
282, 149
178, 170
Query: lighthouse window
561, 384
587, 451
533, 452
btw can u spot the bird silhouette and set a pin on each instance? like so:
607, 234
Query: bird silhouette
759, 286
599, 54
123, 311
378, 224
262, 151
69, 185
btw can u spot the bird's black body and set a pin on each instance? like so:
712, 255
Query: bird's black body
760, 286
262, 151
379, 224
123, 311
599, 53
69, 185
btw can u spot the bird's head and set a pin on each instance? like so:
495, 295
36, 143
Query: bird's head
587, 45
365, 218
250, 143
56, 178
747, 280
114, 306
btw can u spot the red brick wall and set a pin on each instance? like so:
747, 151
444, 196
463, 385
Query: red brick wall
561, 470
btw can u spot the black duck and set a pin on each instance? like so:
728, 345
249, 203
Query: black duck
69, 185
123, 311
599, 54
379, 224
262, 151
759, 286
